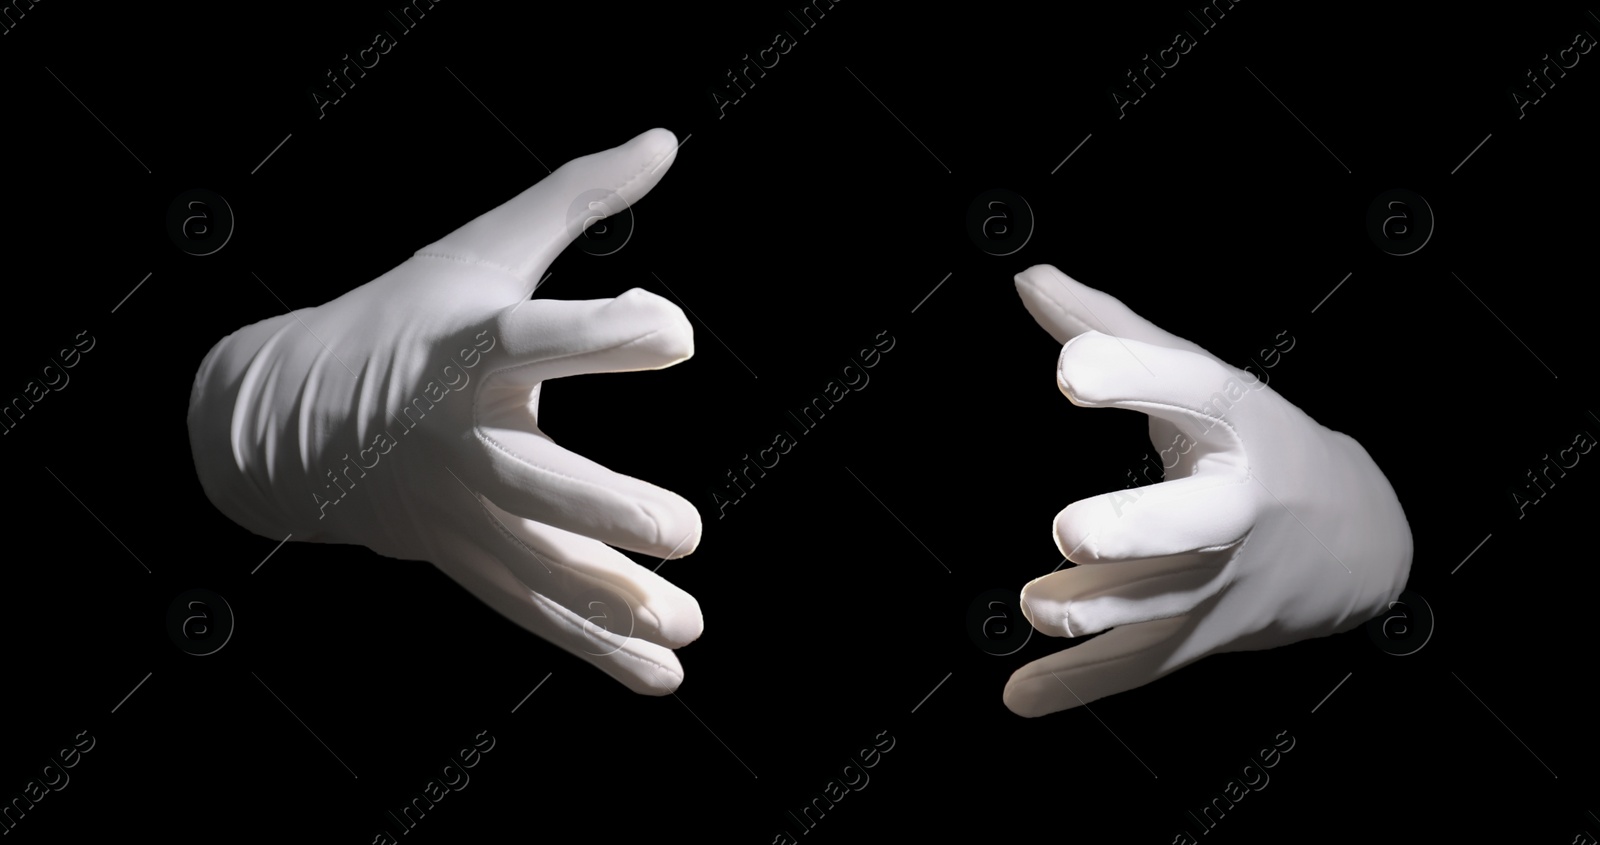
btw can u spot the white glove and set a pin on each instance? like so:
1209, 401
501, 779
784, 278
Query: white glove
1269, 528
403, 416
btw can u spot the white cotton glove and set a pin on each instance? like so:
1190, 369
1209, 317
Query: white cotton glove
1269, 529
403, 416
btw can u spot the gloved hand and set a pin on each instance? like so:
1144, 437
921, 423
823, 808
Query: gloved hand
1269, 528
403, 416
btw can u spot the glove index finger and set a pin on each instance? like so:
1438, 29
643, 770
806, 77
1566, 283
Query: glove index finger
525, 234
1067, 308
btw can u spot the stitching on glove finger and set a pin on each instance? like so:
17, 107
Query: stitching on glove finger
477, 430
573, 570
474, 262
509, 367
1094, 544
1224, 420
529, 549
1118, 657
1114, 658
490, 441
1229, 569
560, 614
1123, 585
1080, 321
1069, 313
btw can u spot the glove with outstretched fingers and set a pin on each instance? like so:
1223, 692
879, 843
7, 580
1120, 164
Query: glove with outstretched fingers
1268, 529
404, 416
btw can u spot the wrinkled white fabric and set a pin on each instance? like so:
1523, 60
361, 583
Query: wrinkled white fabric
1268, 529
403, 416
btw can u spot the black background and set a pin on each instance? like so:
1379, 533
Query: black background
795, 227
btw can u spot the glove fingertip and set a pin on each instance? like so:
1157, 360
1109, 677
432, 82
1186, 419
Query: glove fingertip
1027, 699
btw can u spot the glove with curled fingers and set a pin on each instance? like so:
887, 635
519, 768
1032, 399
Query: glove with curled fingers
404, 416
1268, 529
